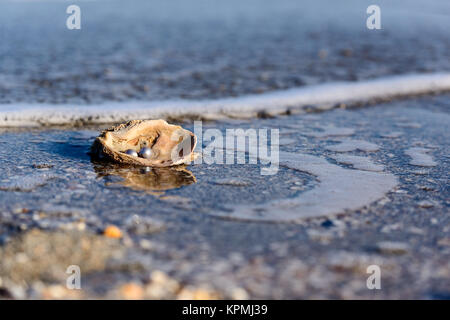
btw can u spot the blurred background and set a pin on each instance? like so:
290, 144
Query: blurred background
147, 50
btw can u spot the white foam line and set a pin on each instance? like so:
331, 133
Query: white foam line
323, 97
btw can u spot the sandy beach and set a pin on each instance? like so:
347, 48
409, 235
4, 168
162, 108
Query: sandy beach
361, 178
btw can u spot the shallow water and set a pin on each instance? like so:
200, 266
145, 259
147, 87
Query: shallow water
158, 50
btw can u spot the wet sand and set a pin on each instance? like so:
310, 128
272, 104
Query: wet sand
187, 228
359, 186
154, 50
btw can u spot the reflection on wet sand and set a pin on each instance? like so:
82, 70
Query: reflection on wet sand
148, 179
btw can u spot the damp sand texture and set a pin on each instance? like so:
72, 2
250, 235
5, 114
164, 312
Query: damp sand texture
362, 176
213, 229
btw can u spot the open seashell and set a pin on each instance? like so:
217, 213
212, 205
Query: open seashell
170, 144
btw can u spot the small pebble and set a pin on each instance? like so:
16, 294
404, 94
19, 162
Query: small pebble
239, 294
132, 291
426, 204
112, 232
444, 242
42, 166
327, 224
390, 247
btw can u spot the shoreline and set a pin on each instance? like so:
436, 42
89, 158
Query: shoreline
314, 98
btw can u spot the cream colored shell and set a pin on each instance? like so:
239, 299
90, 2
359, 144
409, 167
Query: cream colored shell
171, 144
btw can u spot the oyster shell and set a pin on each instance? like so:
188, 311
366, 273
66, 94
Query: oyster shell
170, 144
